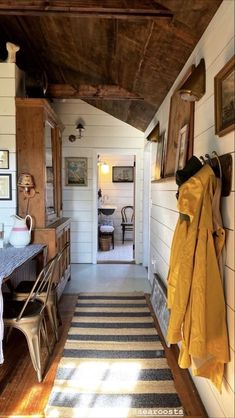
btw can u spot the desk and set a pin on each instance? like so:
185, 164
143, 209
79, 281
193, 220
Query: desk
10, 260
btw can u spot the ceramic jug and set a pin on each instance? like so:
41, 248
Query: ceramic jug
20, 234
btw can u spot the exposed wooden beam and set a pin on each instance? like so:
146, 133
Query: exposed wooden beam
85, 91
119, 9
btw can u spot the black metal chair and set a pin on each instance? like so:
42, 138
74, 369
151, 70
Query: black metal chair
127, 224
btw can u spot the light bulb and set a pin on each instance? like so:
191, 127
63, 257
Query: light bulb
105, 168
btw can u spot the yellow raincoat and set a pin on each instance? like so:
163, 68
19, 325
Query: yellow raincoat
195, 291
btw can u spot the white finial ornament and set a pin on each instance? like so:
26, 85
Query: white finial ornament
12, 49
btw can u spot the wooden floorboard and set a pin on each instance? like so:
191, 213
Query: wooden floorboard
20, 393
191, 402
22, 396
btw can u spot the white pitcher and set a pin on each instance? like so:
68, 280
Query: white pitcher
20, 235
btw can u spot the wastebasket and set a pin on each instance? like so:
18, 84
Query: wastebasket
105, 242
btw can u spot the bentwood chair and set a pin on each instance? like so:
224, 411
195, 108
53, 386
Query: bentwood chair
127, 224
24, 288
28, 315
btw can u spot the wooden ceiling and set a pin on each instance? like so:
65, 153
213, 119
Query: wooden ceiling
121, 56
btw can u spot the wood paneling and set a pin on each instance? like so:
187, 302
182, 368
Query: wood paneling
120, 9
77, 45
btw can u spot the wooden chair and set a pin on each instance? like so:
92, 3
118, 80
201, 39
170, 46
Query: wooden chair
28, 315
24, 288
127, 224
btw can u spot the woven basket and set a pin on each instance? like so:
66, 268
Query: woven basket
105, 243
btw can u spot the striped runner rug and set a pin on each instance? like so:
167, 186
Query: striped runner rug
113, 364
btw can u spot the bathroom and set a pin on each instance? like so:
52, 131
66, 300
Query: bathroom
115, 174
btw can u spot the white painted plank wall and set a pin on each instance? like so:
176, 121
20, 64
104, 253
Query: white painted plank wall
9, 76
216, 46
102, 131
117, 194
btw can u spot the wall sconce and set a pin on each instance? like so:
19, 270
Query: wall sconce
103, 165
26, 182
194, 87
105, 168
80, 128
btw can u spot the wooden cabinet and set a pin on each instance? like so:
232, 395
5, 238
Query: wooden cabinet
56, 236
38, 146
38, 142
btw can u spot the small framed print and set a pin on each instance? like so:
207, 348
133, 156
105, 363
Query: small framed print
225, 99
5, 186
4, 159
76, 171
182, 148
123, 174
159, 170
49, 175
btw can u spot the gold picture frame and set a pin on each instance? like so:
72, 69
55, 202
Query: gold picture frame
4, 159
224, 84
159, 169
182, 148
181, 113
5, 187
76, 171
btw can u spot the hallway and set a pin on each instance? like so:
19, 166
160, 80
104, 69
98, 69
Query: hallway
108, 278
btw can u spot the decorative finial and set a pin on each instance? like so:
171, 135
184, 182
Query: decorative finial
12, 49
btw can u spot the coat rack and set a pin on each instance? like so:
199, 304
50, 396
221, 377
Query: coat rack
221, 164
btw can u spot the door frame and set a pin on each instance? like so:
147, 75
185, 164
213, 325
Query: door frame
137, 197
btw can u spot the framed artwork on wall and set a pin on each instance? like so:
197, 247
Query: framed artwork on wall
225, 99
182, 148
159, 170
50, 174
154, 134
4, 159
123, 174
181, 114
76, 171
5, 187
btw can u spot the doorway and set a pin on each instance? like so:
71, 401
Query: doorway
115, 190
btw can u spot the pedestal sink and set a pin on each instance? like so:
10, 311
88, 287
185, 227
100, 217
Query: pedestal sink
107, 209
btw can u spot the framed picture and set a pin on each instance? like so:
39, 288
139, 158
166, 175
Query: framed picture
5, 186
154, 146
182, 148
159, 304
160, 157
4, 159
123, 174
76, 171
225, 99
154, 135
50, 174
181, 113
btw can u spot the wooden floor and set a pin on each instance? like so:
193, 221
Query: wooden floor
22, 396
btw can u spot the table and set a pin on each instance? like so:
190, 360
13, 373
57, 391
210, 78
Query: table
11, 259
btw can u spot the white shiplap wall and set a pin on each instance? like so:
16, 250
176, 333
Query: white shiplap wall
10, 86
216, 46
103, 134
117, 194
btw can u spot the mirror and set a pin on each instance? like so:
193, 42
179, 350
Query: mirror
49, 174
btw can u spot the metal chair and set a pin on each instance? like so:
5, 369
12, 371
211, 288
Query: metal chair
28, 315
24, 288
127, 224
